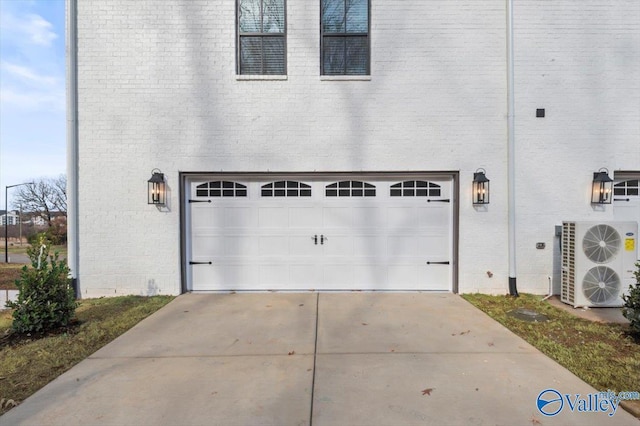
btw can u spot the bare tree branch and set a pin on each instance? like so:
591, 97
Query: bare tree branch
45, 197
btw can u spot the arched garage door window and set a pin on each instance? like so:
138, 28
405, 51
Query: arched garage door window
415, 188
288, 188
350, 188
627, 188
221, 189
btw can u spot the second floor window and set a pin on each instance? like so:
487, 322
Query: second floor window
261, 37
344, 41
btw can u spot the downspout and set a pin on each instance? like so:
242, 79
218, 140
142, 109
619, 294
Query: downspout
72, 144
511, 172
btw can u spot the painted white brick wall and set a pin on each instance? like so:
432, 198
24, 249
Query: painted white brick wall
581, 62
157, 89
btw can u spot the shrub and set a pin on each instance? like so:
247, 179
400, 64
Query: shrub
631, 309
45, 298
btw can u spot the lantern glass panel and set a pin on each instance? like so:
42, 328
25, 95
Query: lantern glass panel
480, 188
156, 189
602, 188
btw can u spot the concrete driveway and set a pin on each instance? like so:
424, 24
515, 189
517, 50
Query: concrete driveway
313, 359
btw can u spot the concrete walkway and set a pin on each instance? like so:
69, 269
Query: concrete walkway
312, 359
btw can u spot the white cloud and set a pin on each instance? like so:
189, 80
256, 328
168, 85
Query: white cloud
28, 75
31, 27
53, 100
25, 88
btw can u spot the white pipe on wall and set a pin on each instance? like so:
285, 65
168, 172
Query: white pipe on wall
511, 173
72, 144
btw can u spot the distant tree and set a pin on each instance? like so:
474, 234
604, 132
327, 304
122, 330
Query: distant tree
45, 197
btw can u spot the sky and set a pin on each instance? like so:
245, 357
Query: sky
32, 91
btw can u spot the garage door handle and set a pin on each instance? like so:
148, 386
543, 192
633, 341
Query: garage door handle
199, 263
438, 201
621, 199
199, 201
438, 263
322, 239
315, 239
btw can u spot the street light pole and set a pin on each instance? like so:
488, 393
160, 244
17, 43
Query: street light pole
6, 218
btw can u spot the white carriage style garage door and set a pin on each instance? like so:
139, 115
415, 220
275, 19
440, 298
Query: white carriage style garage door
315, 232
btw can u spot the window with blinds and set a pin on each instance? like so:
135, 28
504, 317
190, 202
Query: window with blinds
261, 37
344, 41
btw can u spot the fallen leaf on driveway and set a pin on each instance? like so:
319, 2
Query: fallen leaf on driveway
427, 391
535, 421
364, 323
292, 352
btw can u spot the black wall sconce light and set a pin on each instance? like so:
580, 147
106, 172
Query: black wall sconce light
480, 187
602, 187
157, 189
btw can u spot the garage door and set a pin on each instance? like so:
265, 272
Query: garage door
320, 233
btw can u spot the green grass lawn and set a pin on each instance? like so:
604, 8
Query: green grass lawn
29, 363
604, 355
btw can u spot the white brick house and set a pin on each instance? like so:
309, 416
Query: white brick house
417, 104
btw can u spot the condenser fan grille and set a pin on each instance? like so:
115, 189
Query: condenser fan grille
601, 243
601, 285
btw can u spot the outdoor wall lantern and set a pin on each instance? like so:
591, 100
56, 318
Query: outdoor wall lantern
480, 187
157, 188
602, 187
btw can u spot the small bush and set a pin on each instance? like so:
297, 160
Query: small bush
631, 309
45, 299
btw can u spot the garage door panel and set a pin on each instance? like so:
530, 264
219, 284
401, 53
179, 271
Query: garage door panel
209, 277
240, 217
206, 217
273, 218
273, 245
370, 276
303, 245
369, 245
435, 277
433, 231
305, 275
338, 245
304, 217
274, 276
430, 216
205, 246
436, 246
240, 246
338, 276
405, 276
239, 276
337, 217
369, 217
403, 246
402, 217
